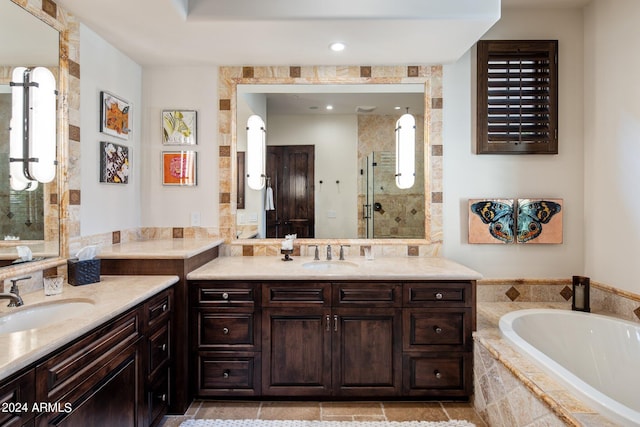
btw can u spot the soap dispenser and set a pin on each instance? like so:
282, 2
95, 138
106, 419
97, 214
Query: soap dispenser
580, 301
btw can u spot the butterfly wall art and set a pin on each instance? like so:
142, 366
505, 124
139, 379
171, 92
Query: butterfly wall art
503, 221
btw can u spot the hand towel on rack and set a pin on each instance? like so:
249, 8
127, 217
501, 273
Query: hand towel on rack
268, 203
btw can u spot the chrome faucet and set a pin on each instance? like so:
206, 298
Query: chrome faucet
316, 254
14, 294
328, 252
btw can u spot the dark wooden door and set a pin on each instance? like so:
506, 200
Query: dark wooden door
367, 353
296, 352
290, 169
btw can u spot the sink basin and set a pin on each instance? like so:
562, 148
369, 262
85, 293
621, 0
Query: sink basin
329, 265
44, 314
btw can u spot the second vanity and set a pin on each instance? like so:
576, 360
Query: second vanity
392, 327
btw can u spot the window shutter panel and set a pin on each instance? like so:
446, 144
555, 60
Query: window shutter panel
517, 97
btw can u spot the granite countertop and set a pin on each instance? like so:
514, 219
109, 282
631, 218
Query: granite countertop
158, 249
112, 296
273, 268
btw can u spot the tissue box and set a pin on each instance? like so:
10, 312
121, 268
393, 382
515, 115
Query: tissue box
83, 272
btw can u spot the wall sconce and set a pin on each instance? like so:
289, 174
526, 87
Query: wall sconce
32, 137
256, 147
405, 151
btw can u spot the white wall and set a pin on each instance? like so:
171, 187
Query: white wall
107, 207
193, 88
336, 159
612, 143
467, 175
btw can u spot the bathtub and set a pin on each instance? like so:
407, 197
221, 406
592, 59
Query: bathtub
596, 357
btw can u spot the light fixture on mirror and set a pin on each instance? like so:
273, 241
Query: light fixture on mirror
32, 135
405, 151
256, 147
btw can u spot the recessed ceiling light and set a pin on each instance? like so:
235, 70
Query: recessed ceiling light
396, 108
329, 107
337, 46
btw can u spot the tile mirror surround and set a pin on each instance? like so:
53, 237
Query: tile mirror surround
68, 130
430, 76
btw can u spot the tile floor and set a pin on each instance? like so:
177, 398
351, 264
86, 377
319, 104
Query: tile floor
335, 411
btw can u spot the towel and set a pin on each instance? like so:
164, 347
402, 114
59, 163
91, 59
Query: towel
268, 203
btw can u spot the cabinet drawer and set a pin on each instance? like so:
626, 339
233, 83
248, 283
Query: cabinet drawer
296, 293
228, 329
367, 294
226, 294
228, 374
17, 397
60, 373
436, 330
158, 309
158, 398
451, 294
442, 374
159, 350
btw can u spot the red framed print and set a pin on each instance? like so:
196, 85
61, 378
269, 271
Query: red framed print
179, 168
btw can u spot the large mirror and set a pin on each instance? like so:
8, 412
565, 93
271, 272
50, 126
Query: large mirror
27, 218
330, 164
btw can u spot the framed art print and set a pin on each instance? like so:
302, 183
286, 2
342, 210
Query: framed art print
539, 221
179, 168
115, 116
179, 127
114, 163
491, 221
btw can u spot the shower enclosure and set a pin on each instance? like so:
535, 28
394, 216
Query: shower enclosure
387, 211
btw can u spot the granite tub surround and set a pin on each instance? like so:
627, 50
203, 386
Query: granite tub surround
111, 296
353, 268
510, 388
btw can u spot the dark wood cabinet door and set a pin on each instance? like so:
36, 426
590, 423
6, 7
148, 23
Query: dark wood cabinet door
296, 352
367, 355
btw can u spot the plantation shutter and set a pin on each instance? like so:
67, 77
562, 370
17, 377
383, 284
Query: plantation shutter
517, 97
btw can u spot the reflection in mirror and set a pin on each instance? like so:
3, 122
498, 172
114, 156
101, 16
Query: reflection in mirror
27, 218
332, 170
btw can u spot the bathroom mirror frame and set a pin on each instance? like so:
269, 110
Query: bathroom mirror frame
50, 14
430, 76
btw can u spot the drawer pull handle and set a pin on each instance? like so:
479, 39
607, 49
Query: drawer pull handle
163, 347
437, 374
225, 331
328, 318
165, 307
335, 323
225, 374
437, 329
162, 397
439, 295
225, 295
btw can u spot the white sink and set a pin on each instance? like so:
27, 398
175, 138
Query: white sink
44, 314
329, 265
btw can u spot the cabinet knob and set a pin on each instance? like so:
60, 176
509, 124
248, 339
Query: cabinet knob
437, 374
165, 307
162, 397
163, 347
225, 295
439, 295
225, 374
437, 329
225, 331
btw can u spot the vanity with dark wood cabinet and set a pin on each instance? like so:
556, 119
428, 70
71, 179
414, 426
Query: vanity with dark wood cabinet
332, 338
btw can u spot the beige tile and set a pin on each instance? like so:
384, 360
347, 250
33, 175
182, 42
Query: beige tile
230, 410
463, 411
414, 411
173, 421
334, 409
290, 411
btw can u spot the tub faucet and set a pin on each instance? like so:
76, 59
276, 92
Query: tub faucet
328, 252
15, 300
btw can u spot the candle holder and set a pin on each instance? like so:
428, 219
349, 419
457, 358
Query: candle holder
286, 253
580, 300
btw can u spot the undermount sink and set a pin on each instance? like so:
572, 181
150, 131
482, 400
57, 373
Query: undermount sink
44, 314
329, 265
